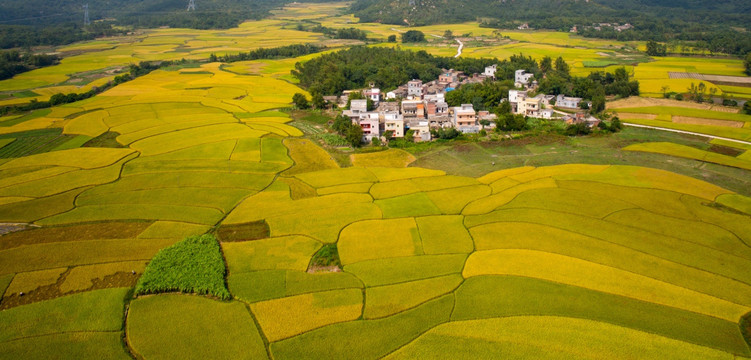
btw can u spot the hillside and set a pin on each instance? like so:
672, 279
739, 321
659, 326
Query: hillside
709, 22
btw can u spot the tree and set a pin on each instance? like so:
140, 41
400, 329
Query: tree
656, 49
562, 67
577, 129
598, 104
341, 123
318, 101
392, 38
615, 124
413, 36
448, 34
300, 101
409, 135
747, 107
747, 64
376, 141
664, 89
354, 135
546, 64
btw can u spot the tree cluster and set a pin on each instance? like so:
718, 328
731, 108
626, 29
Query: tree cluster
389, 68
656, 49
13, 62
349, 130
269, 53
747, 64
413, 36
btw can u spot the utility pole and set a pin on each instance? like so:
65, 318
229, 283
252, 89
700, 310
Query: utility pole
192, 5
86, 21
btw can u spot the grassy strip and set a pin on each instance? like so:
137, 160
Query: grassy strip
498, 296
194, 265
364, 339
242, 232
690, 153
176, 326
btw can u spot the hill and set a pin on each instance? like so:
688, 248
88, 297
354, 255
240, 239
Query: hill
652, 19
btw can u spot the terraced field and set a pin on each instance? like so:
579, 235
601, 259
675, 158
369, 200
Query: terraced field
566, 261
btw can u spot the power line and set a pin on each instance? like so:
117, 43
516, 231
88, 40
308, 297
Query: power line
192, 5
86, 21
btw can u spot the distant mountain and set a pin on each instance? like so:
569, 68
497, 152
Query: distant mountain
142, 13
554, 14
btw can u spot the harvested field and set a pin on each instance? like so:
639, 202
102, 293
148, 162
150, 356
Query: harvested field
703, 121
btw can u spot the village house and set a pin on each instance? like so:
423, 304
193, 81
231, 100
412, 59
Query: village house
415, 89
370, 124
413, 108
490, 71
567, 102
522, 78
449, 76
359, 105
421, 131
464, 118
394, 122
373, 94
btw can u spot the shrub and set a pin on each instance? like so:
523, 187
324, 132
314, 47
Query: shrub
194, 265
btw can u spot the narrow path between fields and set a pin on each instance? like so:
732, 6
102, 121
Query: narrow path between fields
687, 132
459, 51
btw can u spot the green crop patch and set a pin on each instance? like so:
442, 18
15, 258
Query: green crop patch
365, 339
243, 232
444, 235
90, 213
521, 337
77, 345
500, 296
100, 310
388, 300
452, 201
516, 235
402, 269
194, 265
172, 229
258, 285
418, 204
201, 327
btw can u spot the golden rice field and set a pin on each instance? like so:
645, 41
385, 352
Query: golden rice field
567, 261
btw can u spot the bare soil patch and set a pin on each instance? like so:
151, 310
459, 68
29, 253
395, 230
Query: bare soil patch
711, 122
627, 116
635, 101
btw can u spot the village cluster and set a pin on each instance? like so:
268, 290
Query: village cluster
419, 106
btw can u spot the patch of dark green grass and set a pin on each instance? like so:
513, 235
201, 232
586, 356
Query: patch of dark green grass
25, 94
328, 255
33, 142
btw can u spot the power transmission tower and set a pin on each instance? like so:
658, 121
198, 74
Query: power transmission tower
86, 21
192, 5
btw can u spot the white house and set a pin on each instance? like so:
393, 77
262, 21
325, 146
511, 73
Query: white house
464, 118
522, 78
373, 94
567, 102
490, 70
414, 88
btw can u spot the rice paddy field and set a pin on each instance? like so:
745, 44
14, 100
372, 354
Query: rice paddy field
555, 251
